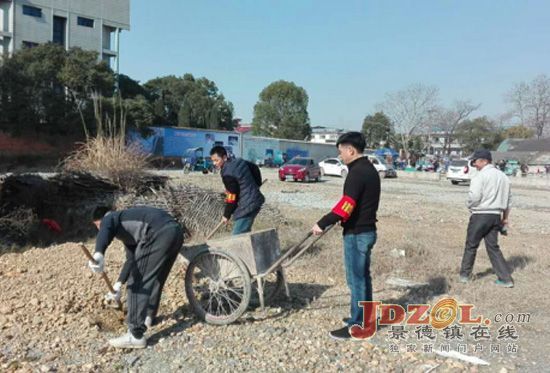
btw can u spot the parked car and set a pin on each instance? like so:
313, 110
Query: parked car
384, 169
425, 166
460, 171
300, 169
333, 166
512, 167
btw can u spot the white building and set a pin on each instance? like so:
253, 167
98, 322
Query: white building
325, 135
435, 145
88, 24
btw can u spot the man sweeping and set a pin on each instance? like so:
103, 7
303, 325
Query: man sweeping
242, 181
154, 239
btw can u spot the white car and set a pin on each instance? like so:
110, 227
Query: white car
383, 168
460, 171
334, 166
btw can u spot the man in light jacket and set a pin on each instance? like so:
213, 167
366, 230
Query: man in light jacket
489, 202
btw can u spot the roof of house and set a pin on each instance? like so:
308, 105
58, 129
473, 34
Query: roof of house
527, 145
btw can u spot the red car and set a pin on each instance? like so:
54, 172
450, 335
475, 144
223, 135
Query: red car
298, 168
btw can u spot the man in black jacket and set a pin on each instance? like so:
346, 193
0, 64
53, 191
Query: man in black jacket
154, 238
356, 212
242, 181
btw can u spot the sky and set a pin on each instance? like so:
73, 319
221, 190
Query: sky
348, 54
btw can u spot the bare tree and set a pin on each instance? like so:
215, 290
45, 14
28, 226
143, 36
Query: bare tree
531, 103
447, 120
410, 111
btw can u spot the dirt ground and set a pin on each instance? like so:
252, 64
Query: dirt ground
52, 316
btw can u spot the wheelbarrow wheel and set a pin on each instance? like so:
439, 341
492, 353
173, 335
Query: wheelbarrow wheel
273, 283
217, 285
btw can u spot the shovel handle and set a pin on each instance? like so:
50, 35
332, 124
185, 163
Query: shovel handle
103, 274
214, 230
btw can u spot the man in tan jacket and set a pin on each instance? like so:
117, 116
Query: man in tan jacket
489, 202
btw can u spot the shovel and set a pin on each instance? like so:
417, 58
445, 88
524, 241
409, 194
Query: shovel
103, 274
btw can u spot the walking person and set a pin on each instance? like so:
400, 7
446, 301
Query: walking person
356, 212
154, 238
489, 201
242, 181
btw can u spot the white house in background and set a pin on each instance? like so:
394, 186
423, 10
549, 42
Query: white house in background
88, 24
435, 145
325, 135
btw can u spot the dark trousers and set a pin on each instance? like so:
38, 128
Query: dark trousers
486, 227
153, 261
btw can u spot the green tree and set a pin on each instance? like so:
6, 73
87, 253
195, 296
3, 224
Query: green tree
518, 132
282, 112
139, 112
478, 133
33, 97
189, 102
167, 95
203, 106
377, 128
85, 78
130, 88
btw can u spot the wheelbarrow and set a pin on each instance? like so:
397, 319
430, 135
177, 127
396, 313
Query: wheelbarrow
225, 276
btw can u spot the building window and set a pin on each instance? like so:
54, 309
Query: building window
86, 22
59, 30
32, 11
29, 44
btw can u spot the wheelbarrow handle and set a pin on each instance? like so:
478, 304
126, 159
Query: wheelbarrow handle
103, 274
306, 247
286, 259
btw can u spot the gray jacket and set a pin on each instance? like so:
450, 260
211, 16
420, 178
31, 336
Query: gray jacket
489, 192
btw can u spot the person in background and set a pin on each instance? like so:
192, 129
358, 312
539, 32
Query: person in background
242, 181
489, 202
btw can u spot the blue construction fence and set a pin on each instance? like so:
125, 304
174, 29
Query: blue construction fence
176, 142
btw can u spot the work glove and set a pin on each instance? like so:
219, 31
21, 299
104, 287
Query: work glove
116, 295
97, 267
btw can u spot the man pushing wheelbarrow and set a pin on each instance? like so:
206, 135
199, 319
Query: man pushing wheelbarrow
356, 211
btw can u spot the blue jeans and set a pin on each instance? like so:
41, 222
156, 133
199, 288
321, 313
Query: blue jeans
244, 224
357, 249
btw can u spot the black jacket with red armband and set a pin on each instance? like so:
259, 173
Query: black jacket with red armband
357, 208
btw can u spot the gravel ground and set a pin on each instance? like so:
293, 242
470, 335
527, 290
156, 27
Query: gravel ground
53, 318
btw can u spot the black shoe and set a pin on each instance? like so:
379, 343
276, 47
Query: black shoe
345, 320
341, 334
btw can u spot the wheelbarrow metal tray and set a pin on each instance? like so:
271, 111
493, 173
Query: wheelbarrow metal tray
187, 251
258, 250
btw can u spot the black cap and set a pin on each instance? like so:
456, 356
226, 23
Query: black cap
481, 154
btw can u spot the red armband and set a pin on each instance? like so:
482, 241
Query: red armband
344, 207
52, 225
230, 197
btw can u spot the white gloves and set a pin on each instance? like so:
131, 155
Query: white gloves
97, 267
116, 295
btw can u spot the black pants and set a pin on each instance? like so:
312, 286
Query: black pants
153, 261
486, 227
